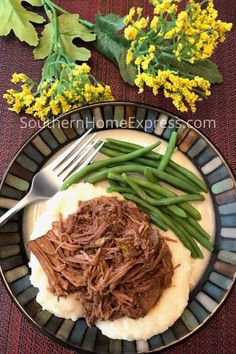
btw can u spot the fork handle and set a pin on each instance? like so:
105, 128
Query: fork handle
30, 197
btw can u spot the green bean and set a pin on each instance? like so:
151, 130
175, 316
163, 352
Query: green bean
149, 162
113, 146
196, 252
119, 189
124, 144
200, 229
173, 177
154, 219
148, 174
176, 210
178, 199
174, 181
101, 175
179, 212
191, 210
169, 152
153, 194
141, 160
182, 236
169, 170
127, 147
103, 163
192, 231
163, 201
157, 220
135, 187
154, 187
112, 183
175, 173
189, 174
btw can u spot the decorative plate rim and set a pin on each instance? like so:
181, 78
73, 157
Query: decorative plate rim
136, 104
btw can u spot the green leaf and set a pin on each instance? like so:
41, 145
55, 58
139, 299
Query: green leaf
112, 45
14, 17
128, 72
69, 29
203, 68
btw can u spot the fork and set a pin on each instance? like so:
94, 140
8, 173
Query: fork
48, 180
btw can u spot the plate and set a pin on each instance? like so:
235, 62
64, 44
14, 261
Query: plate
218, 276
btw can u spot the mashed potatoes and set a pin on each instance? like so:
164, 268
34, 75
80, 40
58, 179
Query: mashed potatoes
163, 315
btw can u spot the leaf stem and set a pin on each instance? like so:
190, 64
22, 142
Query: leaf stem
88, 24
60, 9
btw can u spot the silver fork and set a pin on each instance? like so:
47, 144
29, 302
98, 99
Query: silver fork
47, 181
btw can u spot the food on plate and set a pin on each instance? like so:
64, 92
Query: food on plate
109, 255
97, 252
158, 317
147, 189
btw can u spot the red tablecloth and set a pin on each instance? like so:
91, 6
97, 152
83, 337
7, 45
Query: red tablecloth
17, 335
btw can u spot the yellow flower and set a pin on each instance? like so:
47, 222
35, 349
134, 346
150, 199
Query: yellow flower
107, 94
201, 29
68, 94
151, 49
203, 84
147, 60
139, 82
148, 79
130, 16
80, 69
178, 50
138, 61
26, 89
64, 104
54, 105
142, 39
19, 78
53, 88
129, 56
191, 40
164, 6
130, 32
154, 23
10, 99
170, 34
142, 23
29, 110
45, 84
43, 114
17, 106
139, 11
40, 102
181, 90
100, 89
28, 100
53, 98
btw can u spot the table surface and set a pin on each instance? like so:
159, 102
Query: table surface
17, 335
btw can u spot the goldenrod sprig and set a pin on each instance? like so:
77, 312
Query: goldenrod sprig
64, 84
187, 36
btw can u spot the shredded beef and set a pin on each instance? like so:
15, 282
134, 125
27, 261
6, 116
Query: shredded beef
109, 255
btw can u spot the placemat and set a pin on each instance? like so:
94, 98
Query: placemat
218, 114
